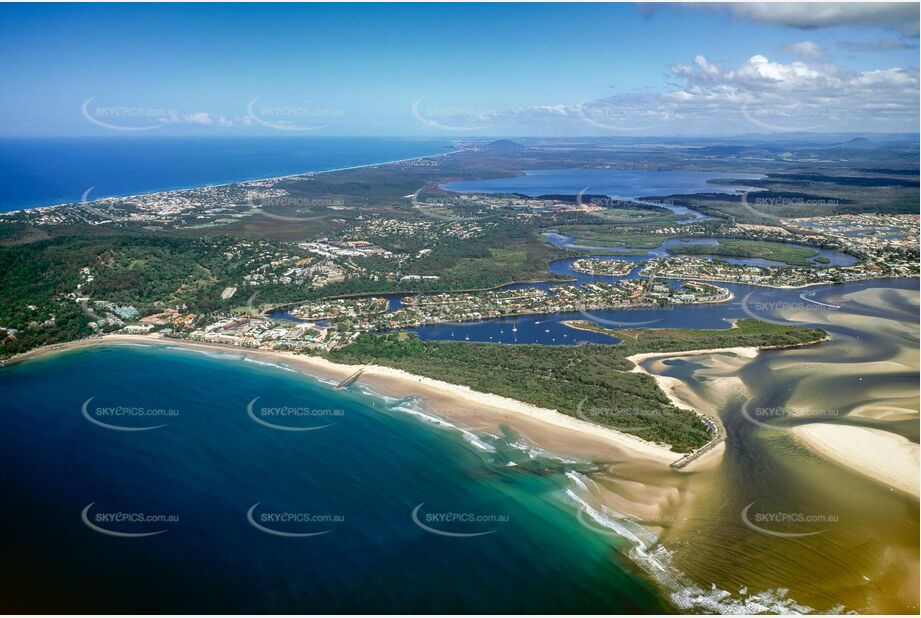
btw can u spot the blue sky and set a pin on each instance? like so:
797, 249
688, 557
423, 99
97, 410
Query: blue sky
454, 69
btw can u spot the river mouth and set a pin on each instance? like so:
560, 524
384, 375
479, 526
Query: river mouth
774, 513
769, 525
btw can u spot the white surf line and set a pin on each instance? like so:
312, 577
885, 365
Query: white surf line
809, 300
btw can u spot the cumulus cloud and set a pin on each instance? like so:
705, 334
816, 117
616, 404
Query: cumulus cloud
758, 95
806, 48
204, 119
800, 95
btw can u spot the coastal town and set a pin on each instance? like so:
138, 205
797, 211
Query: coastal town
481, 309
883, 246
603, 267
329, 324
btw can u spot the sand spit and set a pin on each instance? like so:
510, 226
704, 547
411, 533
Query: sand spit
858, 448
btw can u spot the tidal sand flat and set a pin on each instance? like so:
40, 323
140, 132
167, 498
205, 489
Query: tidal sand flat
722, 384
887, 457
777, 513
868, 408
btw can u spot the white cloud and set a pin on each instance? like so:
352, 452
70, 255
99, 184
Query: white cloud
799, 95
806, 48
203, 119
759, 95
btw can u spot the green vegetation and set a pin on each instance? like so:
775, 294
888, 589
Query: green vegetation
32, 279
658, 216
611, 235
592, 382
746, 332
40, 281
732, 247
508, 253
187, 261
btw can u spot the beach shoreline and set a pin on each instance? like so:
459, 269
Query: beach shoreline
473, 410
711, 453
848, 446
27, 209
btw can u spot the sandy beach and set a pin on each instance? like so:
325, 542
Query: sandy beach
471, 409
849, 446
873, 451
722, 383
632, 479
675, 389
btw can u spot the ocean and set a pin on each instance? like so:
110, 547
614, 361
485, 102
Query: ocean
159, 479
375, 485
45, 172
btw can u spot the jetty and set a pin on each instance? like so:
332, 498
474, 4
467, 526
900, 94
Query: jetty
349, 380
718, 434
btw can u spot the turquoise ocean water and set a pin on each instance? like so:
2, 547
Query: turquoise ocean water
196, 505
